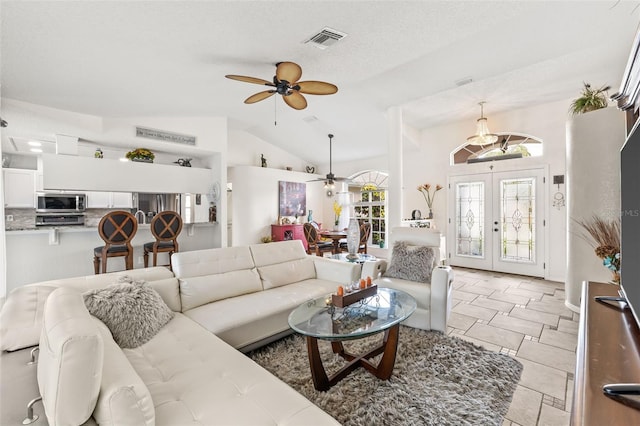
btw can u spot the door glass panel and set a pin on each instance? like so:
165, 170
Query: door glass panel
470, 219
517, 238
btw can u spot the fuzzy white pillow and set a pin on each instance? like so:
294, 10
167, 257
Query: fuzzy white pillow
133, 311
412, 263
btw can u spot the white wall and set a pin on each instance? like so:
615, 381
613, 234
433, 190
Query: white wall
593, 155
245, 149
255, 200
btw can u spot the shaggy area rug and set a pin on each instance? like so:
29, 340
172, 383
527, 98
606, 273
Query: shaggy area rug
437, 380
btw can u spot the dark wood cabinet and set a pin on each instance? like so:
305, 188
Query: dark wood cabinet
288, 232
608, 352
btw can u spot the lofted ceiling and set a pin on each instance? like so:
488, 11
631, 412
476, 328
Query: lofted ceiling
169, 59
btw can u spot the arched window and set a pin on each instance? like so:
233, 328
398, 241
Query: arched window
508, 146
368, 190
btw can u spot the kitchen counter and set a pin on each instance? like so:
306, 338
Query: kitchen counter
46, 253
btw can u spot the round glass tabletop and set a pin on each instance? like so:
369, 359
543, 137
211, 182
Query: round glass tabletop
361, 257
318, 318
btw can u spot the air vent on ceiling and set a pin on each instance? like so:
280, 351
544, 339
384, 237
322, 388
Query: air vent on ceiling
326, 37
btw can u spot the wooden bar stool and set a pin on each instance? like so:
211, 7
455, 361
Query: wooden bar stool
165, 227
117, 229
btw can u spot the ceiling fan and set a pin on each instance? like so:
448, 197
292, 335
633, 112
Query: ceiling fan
286, 83
330, 179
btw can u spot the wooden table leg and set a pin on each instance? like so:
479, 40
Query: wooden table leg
319, 376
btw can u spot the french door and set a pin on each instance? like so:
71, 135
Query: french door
496, 221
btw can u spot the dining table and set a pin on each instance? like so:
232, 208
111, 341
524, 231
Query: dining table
335, 236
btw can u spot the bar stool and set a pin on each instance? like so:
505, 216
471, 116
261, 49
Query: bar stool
117, 229
165, 227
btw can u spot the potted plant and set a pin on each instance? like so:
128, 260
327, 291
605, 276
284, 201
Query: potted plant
141, 154
591, 100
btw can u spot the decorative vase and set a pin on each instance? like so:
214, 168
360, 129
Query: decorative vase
310, 216
353, 237
335, 226
430, 214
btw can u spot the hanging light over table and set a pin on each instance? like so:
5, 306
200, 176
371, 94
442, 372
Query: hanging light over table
483, 136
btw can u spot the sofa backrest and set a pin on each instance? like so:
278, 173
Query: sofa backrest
214, 274
278, 252
21, 316
70, 361
282, 263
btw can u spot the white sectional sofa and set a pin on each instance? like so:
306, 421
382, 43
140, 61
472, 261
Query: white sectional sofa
190, 372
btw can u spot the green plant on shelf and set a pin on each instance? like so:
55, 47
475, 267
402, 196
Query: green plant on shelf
140, 154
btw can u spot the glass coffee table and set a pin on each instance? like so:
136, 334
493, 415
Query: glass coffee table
318, 319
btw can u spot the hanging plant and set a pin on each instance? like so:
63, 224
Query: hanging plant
591, 100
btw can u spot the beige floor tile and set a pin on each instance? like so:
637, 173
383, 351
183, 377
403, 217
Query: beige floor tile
541, 317
569, 397
484, 291
463, 295
526, 293
525, 406
497, 336
488, 346
474, 311
561, 359
550, 306
540, 286
510, 298
461, 322
544, 379
530, 328
495, 284
493, 304
559, 339
551, 416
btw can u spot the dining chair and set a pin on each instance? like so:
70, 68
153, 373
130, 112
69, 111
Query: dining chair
117, 229
165, 227
313, 241
365, 231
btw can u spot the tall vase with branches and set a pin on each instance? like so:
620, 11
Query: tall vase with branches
604, 237
429, 195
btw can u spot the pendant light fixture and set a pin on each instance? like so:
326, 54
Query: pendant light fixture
482, 136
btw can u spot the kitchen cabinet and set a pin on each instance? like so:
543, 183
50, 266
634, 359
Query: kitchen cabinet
19, 188
109, 200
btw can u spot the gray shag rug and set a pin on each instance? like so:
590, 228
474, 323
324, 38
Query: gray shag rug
437, 380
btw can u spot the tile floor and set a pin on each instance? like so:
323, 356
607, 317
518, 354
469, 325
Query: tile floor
526, 318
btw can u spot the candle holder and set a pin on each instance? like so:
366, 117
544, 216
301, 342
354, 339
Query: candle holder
350, 298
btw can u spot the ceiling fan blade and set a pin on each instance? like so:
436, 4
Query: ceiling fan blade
259, 96
250, 79
295, 100
288, 71
317, 87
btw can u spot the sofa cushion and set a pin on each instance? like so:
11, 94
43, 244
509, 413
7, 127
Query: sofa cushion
287, 272
196, 379
133, 311
197, 291
124, 398
70, 361
413, 263
278, 252
21, 317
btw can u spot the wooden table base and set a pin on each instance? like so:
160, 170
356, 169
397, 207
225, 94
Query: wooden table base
383, 370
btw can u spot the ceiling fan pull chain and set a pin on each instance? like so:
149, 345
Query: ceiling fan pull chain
275, 112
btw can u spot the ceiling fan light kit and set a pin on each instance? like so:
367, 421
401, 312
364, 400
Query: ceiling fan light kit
286, 84
483, 136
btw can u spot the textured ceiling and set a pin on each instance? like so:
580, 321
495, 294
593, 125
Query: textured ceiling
158, 58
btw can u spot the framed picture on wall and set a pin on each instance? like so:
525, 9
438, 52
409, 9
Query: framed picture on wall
292, 197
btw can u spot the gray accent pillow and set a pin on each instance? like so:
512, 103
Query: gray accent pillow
413, 263
133, 310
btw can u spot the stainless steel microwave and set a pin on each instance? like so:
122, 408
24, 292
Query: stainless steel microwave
61, 203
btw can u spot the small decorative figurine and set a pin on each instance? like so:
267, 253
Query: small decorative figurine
263, 160
98, 153
213, 213
184, 162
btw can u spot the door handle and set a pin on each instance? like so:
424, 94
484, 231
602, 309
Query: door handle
495, 223
495, 229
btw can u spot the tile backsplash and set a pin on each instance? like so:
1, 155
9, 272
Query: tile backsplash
26, 218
